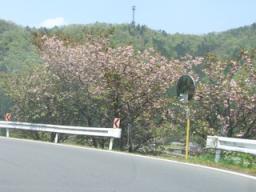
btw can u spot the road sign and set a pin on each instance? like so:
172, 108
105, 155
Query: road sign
8, 117
116, 123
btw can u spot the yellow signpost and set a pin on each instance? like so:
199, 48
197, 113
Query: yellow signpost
185, 90
187, 134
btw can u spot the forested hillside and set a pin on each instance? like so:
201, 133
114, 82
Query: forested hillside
17, 50
18, 45
224, 44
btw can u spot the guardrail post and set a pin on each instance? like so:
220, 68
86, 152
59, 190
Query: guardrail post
56, 138
217, 155
111, 143
7, 132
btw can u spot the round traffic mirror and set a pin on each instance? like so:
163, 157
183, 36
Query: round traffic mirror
185, 87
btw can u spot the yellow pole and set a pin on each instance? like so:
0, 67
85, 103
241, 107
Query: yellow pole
187, 136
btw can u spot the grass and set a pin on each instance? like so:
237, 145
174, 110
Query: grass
207, 159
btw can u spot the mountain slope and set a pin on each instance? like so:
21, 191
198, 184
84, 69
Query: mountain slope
16, 48
18, 45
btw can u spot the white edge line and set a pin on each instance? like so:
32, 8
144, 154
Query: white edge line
135, 155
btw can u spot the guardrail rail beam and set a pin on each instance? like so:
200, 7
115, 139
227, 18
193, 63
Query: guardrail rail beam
57, 129
230, 144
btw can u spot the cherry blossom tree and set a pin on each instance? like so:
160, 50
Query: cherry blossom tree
93, 83
226, 96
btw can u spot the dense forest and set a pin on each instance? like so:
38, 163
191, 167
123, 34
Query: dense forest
225, 44
89, 74
18, 45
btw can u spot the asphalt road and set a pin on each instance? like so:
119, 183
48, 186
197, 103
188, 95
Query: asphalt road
39, 167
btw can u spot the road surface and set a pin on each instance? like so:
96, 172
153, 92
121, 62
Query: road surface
27, 166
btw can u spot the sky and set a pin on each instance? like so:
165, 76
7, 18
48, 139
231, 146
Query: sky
172, 16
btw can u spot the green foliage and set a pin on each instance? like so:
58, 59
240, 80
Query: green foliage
16, 49
17, 53
242, 160
226, 44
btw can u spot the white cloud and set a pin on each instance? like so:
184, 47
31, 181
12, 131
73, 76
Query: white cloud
49, 23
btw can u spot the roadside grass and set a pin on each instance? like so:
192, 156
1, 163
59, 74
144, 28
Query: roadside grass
238, 162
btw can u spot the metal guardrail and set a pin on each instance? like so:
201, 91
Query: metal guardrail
230, 144
75, 130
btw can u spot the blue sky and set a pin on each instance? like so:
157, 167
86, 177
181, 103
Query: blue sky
182, 16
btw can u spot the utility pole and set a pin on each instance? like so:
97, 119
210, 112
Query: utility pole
133, 15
